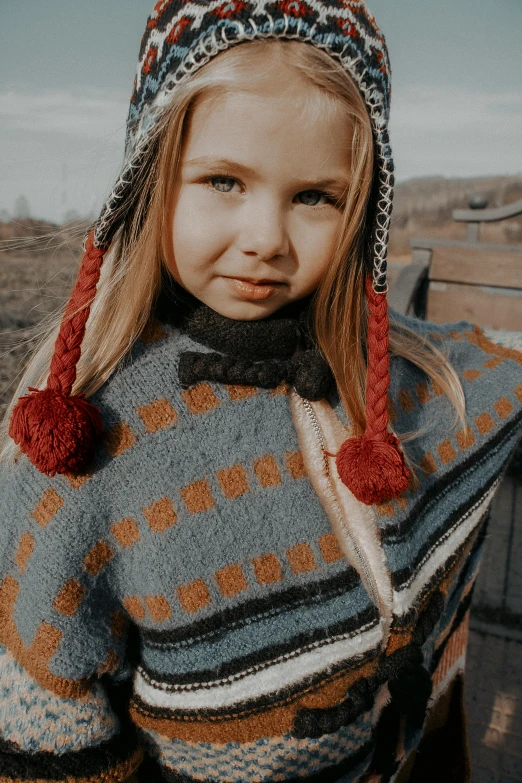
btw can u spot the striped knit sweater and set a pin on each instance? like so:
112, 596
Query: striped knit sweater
208, 602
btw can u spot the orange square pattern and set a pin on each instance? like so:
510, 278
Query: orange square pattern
465, 438
9, 589
233, 481
267, 471
47, 507
118, 439
428, 464
471, 375
160, 515
157, 415
231, 580
267, 569
45, 642
110, 664
503, 407
118, 624
484, 423
158, 607
97, 558
386, 509
401, 502
126, 532
295, 464
194, 596
493, 362
446, 451
76, 480
24, 551
237, 392
200, 398
283, 388
406, 401
134, 607
422, 392
152, 332
198, 497
70, 597
330, 548
301, 559
392, 410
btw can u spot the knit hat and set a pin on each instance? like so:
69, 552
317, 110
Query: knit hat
58, 431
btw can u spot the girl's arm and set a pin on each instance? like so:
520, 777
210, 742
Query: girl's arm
64, 676
506, 339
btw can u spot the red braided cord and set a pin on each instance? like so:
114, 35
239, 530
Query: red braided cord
378, 379
67, 348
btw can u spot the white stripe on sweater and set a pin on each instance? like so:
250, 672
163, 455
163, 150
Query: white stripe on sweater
437, 556
282, 675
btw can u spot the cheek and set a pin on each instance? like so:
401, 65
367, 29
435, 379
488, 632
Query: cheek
315, 241
199, 230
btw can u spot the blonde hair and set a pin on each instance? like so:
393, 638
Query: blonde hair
130, 279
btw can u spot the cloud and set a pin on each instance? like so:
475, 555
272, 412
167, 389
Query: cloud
59, 111
62, 150
439, 130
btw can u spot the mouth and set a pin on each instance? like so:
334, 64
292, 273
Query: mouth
248, 289
264, 281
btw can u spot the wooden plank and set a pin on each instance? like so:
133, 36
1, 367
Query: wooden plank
491, 215
494, 308
428, 243
478, 267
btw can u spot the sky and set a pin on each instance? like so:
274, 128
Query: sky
67, 70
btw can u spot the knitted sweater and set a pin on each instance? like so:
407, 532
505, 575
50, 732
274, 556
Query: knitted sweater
208, 602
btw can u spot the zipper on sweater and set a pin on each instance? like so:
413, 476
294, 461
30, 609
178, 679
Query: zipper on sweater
364, 565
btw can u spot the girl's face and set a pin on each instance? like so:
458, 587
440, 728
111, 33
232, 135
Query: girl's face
259, 196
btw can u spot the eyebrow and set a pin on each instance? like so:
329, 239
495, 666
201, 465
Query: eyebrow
219, 164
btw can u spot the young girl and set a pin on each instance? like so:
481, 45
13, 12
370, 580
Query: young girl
236, 543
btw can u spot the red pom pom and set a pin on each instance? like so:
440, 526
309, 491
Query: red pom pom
373, 470
57, 432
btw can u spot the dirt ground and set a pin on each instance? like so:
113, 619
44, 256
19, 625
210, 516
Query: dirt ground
36, 276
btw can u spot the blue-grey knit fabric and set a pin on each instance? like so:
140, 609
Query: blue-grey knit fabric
185, 608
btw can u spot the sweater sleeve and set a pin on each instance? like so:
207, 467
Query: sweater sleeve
64, 674
511, 340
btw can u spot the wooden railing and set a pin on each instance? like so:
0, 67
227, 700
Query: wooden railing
479, 213
477, 281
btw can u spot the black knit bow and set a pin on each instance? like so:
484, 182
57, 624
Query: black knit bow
308, 372
263, 352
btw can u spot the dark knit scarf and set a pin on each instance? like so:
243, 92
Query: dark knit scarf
260, 353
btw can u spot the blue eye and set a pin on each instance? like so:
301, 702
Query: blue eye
223, 184
311, 198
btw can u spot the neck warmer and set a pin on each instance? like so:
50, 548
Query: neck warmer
264, 352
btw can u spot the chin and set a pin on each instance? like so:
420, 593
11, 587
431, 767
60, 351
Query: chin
245, 311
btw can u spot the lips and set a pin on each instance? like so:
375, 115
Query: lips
246, 289
264, 281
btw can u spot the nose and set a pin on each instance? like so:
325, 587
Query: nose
264, 230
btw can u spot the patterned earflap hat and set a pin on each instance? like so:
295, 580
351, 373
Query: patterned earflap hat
58, 431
